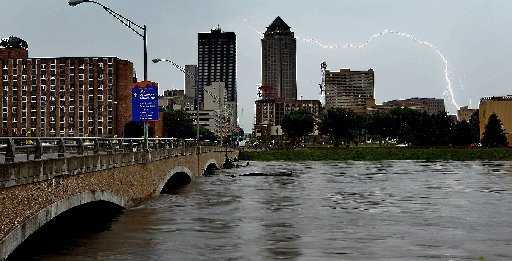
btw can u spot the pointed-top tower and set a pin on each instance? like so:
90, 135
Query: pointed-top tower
279, 51
278, 26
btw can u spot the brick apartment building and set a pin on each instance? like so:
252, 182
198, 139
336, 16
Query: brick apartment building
63, 96
349, 89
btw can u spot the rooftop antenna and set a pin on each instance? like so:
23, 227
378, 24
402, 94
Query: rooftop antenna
323, 67
260, 94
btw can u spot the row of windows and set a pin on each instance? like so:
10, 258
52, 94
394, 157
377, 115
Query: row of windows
52, 131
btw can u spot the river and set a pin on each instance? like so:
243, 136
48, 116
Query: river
391, 210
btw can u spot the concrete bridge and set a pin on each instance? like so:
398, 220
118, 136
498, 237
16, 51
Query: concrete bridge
122, 172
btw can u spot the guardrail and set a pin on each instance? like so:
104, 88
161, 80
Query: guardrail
28, 148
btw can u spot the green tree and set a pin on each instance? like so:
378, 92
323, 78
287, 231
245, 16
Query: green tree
297, 124
178, 124
419, 128
205, 134
379, 127
462, 135
439, 129
404, 124
494, 134
474, 122
13, 42
340, 125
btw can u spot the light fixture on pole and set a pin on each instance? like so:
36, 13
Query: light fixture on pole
140, 30
216, 98
177, 66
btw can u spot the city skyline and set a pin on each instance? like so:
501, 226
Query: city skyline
398, 64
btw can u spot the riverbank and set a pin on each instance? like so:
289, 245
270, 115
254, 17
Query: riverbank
379, 153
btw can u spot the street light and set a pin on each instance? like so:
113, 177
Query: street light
137, 29
157, 60
179, 67
140, 30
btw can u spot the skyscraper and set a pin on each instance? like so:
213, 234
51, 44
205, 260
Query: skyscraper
279, 51
217, 63
278, 89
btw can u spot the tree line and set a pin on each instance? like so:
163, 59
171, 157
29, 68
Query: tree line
177, 124
398, 126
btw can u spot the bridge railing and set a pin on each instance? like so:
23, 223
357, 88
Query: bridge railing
35, 148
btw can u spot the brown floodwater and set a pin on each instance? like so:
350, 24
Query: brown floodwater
391, 210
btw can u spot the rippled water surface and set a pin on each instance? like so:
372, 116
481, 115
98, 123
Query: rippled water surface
395, 210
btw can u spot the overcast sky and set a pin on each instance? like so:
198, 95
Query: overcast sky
474, 36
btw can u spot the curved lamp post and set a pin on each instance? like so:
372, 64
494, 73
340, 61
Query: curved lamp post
137, 29
177, 66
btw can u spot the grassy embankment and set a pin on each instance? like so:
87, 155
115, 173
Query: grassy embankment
379, 153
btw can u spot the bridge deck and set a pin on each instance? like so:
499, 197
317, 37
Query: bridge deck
34, 192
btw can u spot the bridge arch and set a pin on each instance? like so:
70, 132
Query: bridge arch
23, 231
209, 168
177, 177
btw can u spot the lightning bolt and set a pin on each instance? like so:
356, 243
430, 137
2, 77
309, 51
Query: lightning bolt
378, 36
375, 37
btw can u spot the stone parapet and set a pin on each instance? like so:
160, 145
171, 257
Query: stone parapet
34, 192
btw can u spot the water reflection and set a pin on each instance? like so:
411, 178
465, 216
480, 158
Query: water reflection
391, 210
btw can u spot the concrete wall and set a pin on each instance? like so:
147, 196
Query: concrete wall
35, 192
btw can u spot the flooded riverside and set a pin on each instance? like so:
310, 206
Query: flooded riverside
390, 210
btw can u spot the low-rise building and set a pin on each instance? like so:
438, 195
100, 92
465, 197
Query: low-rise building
175, 100
428, 105
213, 121
379, 108
465, 113
502, 107
271, 112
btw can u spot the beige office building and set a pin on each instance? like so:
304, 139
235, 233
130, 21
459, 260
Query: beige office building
502, 107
